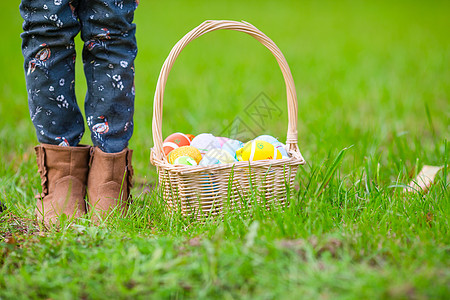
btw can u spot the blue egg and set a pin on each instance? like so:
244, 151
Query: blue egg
267, 138
231, 146
208, 161
280, 147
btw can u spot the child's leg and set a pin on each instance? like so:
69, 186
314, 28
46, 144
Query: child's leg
49, 53
109, 52
108, 55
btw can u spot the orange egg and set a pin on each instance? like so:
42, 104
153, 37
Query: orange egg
174, 141
190, 151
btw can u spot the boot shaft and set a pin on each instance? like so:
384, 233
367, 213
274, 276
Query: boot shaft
110, 166
110, 179
64, 172
55, 162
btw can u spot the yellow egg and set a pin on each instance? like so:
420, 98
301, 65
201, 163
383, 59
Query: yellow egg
190, 151
258, 150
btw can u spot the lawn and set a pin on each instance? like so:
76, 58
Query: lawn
373, 85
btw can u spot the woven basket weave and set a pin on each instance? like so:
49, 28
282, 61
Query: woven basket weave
202, 191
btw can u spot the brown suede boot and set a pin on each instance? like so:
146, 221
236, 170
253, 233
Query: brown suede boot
109, 181
63, 173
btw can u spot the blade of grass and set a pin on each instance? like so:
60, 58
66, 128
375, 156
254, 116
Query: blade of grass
330, 172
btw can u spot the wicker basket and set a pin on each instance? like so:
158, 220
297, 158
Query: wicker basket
203, 191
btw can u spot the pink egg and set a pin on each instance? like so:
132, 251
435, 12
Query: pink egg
222, 140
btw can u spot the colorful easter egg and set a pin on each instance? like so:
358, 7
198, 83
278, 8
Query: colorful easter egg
267, 138
231, 146
277, 144
190, 136
208, 161
257, 150
185, 151
185, 160
223, 156
222, 140
280, 146
174, 141
205, 142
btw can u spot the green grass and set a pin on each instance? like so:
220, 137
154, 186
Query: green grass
372, 78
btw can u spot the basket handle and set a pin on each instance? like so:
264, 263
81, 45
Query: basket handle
205, 27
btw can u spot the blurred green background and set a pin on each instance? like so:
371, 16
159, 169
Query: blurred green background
365, 71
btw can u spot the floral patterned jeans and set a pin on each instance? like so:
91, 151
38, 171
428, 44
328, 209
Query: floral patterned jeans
109, 51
